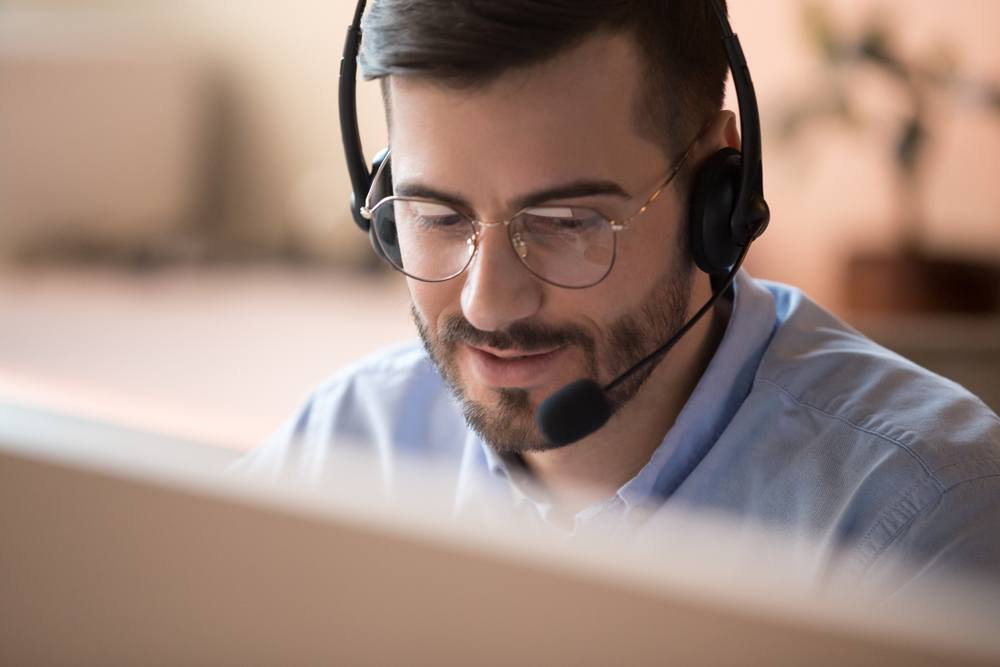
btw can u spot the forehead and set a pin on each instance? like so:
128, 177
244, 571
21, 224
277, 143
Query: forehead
570, 117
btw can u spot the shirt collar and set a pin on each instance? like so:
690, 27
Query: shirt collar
716, 398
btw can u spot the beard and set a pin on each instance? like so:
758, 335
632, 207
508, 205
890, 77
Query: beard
508, 425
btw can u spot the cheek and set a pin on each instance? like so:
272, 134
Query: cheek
651, 249
638, 266
434, 299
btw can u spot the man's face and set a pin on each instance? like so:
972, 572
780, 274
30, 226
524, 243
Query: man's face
503, 339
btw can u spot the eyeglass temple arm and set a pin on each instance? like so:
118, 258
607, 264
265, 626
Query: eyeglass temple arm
623, 224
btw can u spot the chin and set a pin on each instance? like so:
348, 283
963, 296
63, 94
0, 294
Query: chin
490, 396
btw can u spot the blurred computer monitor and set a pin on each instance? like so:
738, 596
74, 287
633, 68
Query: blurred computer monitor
120, 547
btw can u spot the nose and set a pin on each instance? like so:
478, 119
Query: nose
498, 289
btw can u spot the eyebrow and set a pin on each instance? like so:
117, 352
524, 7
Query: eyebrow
571, 190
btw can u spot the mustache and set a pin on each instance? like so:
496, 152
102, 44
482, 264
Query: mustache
524, 336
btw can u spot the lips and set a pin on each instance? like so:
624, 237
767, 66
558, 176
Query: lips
513, 368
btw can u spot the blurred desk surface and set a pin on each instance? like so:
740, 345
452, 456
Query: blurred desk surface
226, 354
219, 354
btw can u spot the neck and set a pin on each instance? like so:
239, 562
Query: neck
597, 466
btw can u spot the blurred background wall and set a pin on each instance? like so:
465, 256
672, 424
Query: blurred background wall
131, 111
192, 135
184, 127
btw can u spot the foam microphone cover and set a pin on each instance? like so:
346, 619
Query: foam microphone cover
573, 412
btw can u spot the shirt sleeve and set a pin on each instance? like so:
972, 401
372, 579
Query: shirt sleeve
957, 536
281, 450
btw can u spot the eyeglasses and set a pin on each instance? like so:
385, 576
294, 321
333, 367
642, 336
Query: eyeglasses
430, 241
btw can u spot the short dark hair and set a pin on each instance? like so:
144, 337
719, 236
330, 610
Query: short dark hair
470, 43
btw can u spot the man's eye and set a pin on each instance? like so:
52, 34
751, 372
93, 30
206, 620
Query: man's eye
439, 221
554, 219
568, 223
429, 215
555, 224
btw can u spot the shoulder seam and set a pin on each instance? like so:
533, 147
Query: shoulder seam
991, 461
923, 464
978, 478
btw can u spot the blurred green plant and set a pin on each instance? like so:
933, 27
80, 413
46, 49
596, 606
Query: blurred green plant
848, 55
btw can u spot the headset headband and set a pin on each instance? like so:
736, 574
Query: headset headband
750, 214
347, 96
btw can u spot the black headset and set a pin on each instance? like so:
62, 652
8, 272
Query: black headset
726, 212
726, 209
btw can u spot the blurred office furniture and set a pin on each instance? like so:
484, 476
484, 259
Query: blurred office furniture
916, 281
175, 131
965, 349
920, 89
105, 136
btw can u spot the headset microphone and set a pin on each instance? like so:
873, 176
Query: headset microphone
583, 406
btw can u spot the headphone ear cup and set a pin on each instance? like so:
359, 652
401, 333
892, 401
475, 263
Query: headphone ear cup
710, 212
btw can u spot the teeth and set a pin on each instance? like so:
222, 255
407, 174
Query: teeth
516, 357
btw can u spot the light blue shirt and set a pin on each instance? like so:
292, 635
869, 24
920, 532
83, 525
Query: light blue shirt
799, 423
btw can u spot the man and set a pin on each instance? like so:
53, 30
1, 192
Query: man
522, 133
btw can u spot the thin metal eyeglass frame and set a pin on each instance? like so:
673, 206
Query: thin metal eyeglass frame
367, 211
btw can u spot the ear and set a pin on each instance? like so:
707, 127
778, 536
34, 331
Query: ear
722, 132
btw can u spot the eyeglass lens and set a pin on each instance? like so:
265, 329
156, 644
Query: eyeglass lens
567, 246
